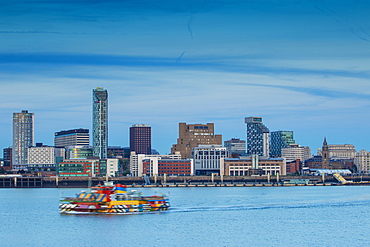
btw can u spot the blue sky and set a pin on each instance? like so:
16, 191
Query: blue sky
301, 65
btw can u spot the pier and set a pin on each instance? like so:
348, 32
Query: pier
179, 181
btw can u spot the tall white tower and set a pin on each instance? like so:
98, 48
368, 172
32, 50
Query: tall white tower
23, 138
100, 123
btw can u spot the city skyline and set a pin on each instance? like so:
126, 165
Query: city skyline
301, 66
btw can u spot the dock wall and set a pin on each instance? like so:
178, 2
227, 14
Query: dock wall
180, 181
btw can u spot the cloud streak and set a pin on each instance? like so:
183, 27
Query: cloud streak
230, 64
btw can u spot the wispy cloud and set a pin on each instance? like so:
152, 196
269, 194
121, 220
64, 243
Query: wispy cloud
226, 64
314, 91
43, 32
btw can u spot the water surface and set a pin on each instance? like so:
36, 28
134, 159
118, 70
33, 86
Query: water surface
209, 216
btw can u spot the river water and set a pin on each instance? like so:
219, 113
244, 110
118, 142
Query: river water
201, 216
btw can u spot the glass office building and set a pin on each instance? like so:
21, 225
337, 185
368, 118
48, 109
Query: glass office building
100, 123
280, 139
258, 137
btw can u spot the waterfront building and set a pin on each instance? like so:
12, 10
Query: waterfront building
235, 147
79, 152
193, 135
82, 168
72, 137
258, 137
324, 161
362, 161
23, 138
295, 151
340, 151
7, 155
117, 151
136, 161
141, 139
43, 157
207, 158
100, 123
160, 166
253, 165
293, 166
280, 139
113, 167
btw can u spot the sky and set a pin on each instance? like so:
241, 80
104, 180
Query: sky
300, 65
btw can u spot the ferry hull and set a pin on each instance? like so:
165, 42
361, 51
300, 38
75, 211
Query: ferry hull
69, 208
109, 199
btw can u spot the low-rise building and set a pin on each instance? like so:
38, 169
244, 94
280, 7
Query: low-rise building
235, 147
82, 168
158, 166
78, 152
207, 158
295, 151
113, 167
362, 161
293, 166
253, 165
136, 161
342, 151
43, 157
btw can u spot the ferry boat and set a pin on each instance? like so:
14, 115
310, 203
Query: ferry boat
112, 199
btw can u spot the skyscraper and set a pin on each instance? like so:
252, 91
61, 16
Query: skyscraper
141, 139
100, 122
280, 139
258, 137
23, 138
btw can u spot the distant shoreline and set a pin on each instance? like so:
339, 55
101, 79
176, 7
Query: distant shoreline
182, 181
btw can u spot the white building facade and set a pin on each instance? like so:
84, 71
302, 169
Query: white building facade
362, 161
112, 167
343, 152
294, 152
43, 158
136, 161
207, 158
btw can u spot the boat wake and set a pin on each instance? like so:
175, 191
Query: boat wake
267, 206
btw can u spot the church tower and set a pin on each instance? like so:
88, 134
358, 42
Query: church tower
325, 155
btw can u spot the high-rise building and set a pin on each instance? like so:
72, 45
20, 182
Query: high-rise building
100, 123
7, 158
141, 139
23, 138
258, 137
280, 139
192, 135
72, 137
235, 146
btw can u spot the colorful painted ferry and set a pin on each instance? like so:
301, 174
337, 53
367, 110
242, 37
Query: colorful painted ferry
112, 199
